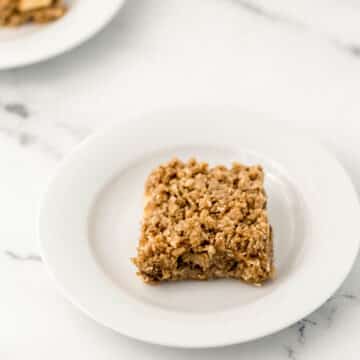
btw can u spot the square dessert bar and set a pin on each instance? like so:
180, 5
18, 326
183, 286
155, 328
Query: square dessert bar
204, 222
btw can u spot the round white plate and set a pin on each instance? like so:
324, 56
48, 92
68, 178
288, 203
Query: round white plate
89, 226
33, 43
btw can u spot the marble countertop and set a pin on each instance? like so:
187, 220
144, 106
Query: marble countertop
297, 61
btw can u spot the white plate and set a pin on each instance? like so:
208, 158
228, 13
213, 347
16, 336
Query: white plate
90, 221
32, 43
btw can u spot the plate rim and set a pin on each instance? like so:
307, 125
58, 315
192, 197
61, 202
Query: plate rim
99, 134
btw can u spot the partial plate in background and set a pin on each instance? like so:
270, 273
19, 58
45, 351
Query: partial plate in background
29, 44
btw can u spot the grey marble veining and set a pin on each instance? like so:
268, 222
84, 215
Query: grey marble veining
291, 354
262, 11
17, 109
18, 123
17, 257
266, 13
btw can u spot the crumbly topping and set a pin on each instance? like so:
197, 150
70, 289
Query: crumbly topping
201, 223
18, 12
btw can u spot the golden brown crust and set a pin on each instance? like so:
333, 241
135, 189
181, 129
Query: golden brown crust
201, 223
18, 12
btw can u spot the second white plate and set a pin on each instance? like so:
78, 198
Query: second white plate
90, 222
33, 43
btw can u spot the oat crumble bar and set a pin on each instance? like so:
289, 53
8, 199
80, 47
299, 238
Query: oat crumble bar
18, 12
202, 223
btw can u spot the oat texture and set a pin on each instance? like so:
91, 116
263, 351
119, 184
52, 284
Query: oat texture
18, 12
204, 222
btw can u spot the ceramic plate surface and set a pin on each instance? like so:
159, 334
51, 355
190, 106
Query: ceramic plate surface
89, 226
33, 43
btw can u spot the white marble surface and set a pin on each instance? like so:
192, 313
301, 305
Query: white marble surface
298, 61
